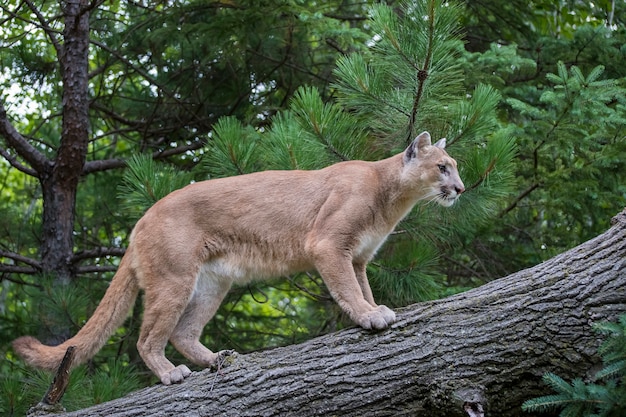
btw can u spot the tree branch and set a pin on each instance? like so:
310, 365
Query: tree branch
33, 267
102, 165
20, 258
484, 175
14, 269
51, 33
423, 73
179, 149
288, 64
16, 164
101, 252
7, 276
519, 198
92, 6
22, 147
137, 69
61, 379
347, 18
107, 164
97, 253
95, 269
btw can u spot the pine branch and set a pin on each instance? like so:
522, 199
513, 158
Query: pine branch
15, 269
102, 165
484, 175
118, 117
115, 163
153, 81
43, 24
8, 276
95, 269
422, 73
34, 266
97, 253
348, 18
291, 65
92, 6
19, 258
135, 68
22, 147
61, 379
16, 164
519, 198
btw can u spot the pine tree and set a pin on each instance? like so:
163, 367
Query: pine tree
412, 81
409, 80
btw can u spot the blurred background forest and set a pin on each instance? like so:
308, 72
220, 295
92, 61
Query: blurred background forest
531, 96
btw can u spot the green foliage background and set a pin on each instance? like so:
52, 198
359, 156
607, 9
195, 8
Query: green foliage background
531, 97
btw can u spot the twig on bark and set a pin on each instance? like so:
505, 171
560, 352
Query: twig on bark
225, 358
50, 403
61, 379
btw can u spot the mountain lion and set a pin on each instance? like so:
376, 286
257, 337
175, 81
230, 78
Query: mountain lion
190, 247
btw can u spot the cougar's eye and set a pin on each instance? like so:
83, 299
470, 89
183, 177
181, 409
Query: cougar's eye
442, 168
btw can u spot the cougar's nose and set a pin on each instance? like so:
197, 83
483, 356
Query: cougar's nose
459, 189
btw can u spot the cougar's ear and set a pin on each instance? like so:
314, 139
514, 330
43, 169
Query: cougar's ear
441, 143
422, 140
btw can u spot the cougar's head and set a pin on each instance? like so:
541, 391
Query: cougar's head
430, 168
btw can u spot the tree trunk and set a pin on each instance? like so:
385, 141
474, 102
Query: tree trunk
59, 182
485, 348
59, 177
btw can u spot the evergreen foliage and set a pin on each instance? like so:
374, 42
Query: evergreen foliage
232, 149
569, 145
404, 81
113, 380
606, 396
564, 101
144, 183
531, 98
411, 81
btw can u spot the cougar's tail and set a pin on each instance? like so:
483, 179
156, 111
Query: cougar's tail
109, 315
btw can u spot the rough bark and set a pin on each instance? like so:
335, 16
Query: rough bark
484, 348
59, 184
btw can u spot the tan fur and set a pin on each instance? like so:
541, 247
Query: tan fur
191, 246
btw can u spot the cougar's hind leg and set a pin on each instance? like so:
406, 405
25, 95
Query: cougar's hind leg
207, 297
163, 308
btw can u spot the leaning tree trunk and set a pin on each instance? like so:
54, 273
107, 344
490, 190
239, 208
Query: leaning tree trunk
486, 348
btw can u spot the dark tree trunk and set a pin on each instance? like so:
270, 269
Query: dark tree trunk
59, 182
485, 348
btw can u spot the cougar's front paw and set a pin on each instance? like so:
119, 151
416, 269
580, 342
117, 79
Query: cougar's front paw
379, 318
388, 314
176, 375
